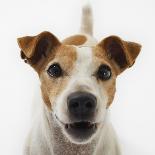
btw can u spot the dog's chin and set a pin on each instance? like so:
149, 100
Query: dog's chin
79, 132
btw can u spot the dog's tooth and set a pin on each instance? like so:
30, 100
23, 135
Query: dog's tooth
66, 126
95, 125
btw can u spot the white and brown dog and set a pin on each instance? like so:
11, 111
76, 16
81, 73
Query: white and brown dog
78, 78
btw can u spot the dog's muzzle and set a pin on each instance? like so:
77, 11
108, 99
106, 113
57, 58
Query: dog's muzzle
81, 112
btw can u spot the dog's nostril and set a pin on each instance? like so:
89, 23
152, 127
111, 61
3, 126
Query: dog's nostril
74, 105
89, 105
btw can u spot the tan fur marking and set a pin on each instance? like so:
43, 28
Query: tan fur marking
33, 48
100, 53
99, 58
51, 87
122, 53
75, 40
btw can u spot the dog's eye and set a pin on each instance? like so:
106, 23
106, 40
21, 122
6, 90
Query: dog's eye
104, 72
55, 70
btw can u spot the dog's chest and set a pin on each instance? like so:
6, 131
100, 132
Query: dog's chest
62, 146
67, 149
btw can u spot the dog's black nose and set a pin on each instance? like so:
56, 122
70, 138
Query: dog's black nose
81, 105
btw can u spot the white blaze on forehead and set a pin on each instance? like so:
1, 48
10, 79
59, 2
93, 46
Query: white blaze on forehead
84, 61
82, 77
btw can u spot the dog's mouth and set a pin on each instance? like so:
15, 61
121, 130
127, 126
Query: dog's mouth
80, 131
83, 125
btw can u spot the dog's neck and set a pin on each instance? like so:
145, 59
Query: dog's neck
60, 144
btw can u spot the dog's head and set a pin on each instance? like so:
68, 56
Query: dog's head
78, 82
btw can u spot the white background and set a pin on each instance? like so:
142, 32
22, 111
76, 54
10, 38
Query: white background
133, 110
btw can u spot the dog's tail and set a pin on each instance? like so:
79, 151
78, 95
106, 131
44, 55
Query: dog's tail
87, 20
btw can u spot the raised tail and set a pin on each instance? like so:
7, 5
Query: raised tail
87, 20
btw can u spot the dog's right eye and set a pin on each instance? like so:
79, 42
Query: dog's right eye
55, 70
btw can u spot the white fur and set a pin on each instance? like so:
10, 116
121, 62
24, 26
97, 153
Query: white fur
46, 138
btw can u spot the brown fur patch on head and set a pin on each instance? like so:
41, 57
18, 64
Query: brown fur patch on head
118, 55
121, 53
51, 87
101, 55
75, 40
42, 50
100, 58
36, 48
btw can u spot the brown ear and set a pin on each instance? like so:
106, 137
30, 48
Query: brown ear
33, 48
121, 53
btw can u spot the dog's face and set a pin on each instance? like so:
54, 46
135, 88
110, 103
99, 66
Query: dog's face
78, 82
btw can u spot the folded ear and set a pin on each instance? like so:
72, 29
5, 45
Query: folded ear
121, 53
33, 48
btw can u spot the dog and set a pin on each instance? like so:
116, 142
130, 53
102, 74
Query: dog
78, 77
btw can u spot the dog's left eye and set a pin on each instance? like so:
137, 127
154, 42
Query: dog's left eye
55, 70
104, 72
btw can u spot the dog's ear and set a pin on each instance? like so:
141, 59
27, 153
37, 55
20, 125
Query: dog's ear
121, 53
33, 48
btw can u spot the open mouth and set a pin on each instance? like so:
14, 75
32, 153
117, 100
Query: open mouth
83, 125
80, 131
